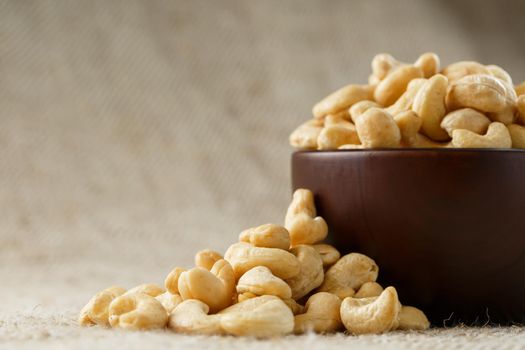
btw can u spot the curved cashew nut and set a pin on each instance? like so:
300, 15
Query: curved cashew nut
376, 129
361, 107
305, 136
482, 92
395, 83
207, 258
342, 99
243, 257
405, 101
191, 316
311, 273
371, 315
264, 316
96, 310
409, 124
322, 314
497, 136
429, 64
169, 301
150, 289
261, 281
429, 104
301, 220
329, 255
267, 236
172, 280
382, 64
461, 69
412, 318
215, 288
334, 136
368, 290
348, 274
465, 118
517, 134
137, 311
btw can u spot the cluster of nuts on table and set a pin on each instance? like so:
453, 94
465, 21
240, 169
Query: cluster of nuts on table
276, 280
464, 105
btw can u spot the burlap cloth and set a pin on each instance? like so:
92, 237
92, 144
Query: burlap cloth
133, 133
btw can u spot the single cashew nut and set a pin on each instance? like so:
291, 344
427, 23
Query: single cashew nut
264, 316
382, 65
305, 136
361, 107
342, 99
429, 104
243, 257
329, 255
267, 236
412, 318
191, 316
371, 315
461, 69
517, 135
215, 288
207, 258
137, 311
96, 310
405, 102
172, 280
395, 83
497, 136
311, 272
169, 301
376, 129
429, 64
334, 136
322, 314
465, 118
301, 220
349, 272
150, 289
482, 92
409, 124
499, 73
261, 281
368, 290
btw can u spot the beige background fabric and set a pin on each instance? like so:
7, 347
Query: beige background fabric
134, 133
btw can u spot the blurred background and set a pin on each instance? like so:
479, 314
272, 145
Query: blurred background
134, 133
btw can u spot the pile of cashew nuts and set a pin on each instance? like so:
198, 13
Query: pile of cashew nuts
276, 280
464, 105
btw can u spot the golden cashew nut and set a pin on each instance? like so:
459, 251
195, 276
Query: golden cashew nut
267, 236
311, 272
207, 258
96, 310
261, 281
377, 129
429, 64
482, 92
342, 99
301, 220
305, 136
172, 280
411, 318
395, 84
465, 118
322, 314
334, 136
497, 136
458, 70
382, 64
191, 316
137, 311
404, 102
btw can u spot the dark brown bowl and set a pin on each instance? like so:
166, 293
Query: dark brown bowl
446, 227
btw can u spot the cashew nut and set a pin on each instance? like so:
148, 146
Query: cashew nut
482, 92
329, 255
371, 315
461, 69
169, 301
301, 220
467, 119
264, 316
261, 281
311, 272
243, 257
207, 258
497, 136
305, 136
361, 107
172, 280
137, 311
342, 99
412, 318
96, 310
429, 104
368, 290
517, 135
382, 65
376, 129
267, 236
322, 314
150, 289
348, 274
409, 124
404, 103
191, 316
333, 136
429, 64
215, 288
395, 83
